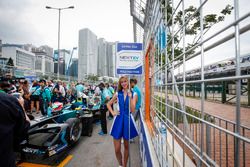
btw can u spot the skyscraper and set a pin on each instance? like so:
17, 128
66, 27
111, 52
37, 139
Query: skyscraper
0, 48
87, 53
73, 71
110, 54
44, 59
63, 61
102, 58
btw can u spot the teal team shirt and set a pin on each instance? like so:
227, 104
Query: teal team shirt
104, 95
79, 88
111, 91
138, 92
46, 94
36, 90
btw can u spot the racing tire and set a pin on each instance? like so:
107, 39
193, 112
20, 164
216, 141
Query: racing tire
87, 122
90, 134
74, 130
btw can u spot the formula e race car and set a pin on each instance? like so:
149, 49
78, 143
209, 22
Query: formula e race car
52, 135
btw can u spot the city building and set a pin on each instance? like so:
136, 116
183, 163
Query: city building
0, 48
106, 58
63, 61
87, 53
73, 70
22, 59
3, 68
102, 65
96, 57
3, 61
44, 62
110, 54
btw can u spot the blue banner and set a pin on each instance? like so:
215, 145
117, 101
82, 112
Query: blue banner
129, 59
129, 46
136, 71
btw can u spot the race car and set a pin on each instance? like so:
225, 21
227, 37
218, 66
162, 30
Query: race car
49, 136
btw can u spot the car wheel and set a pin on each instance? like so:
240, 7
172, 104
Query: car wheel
74, 130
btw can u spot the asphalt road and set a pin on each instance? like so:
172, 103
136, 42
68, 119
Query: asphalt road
98, 151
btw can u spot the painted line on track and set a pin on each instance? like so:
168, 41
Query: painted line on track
62, 164
27, 164
65, 161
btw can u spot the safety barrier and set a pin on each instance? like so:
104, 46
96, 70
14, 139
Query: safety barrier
179, 35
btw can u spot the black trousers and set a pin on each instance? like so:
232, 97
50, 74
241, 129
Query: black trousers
44, 106
110, 115
136, 114
103, 111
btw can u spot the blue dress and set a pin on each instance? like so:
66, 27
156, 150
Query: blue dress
120, 126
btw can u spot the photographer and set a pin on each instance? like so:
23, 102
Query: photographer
14, 124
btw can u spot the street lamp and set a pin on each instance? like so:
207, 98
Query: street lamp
59, 10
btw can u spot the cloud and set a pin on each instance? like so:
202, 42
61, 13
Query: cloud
15, 27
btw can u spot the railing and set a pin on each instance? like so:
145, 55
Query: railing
183, 136
218, 133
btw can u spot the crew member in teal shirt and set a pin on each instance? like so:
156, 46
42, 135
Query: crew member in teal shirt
135, 88
105, 97
79, 87
45, 101
111, 92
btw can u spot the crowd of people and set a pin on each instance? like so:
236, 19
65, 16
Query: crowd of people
119, 100
38, 95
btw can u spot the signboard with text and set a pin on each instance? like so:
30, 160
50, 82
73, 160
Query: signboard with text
129, 59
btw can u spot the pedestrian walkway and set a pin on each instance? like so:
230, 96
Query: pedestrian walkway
98, 151
225, 111
218, 145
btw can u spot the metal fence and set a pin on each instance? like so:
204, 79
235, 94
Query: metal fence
179, 35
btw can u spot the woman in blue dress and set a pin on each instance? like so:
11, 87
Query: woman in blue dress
123, 125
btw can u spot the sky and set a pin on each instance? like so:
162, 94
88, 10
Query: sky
226, 50
28, 21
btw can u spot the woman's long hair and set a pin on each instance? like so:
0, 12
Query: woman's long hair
120, 81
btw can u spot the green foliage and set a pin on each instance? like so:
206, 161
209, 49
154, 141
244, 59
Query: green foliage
192, 26
46, 77
10, 62
178, 116
92, 78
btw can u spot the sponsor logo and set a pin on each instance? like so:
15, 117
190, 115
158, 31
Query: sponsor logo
52, 153
129, 58
53, 147
32, 151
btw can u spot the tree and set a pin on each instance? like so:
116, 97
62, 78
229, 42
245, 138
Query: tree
92, 78
10, 62
192, 27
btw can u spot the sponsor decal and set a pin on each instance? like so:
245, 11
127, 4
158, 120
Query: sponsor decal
52, 153
33, 151
129, 58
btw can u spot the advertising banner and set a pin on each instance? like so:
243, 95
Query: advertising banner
129, 59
